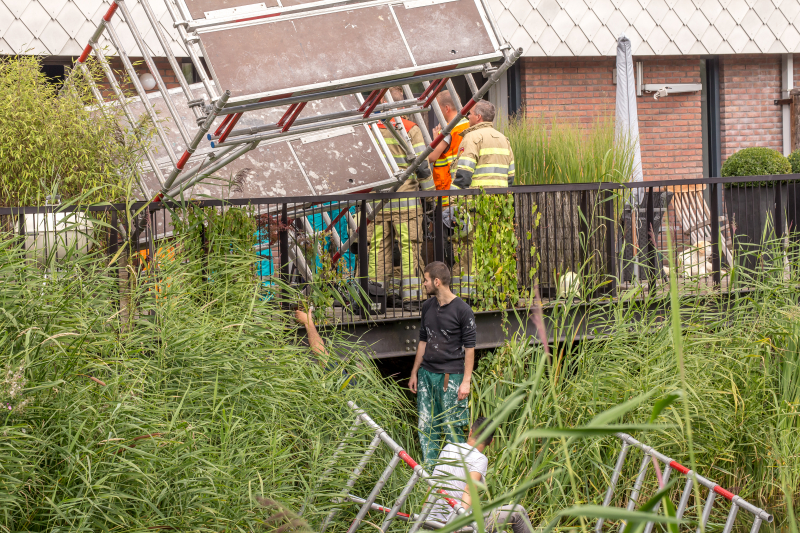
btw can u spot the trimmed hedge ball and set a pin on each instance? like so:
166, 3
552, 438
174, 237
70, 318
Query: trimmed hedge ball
756, 161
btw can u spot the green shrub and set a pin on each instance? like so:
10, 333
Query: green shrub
51, 142
794, 160
756, 161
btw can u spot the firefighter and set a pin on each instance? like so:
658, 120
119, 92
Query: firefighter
484, 160
444, 154
399, 220
442, 158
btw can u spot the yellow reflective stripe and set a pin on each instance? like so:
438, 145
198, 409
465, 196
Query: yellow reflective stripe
494, 151
390, 140
427, 184
402, 204
445, 161
492, 165
489, 182
468, 163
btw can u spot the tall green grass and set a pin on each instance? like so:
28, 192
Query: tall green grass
176, 412
732, 359
552, 152
183, 399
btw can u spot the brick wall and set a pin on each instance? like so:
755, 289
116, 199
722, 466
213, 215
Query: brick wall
568, 88
748, 85
670, 129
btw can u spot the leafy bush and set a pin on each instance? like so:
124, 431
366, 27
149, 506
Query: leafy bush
566, 152
54, 143
794, 160
756, 161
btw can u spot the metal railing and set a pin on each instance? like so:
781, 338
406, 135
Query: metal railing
577, 240
651, 455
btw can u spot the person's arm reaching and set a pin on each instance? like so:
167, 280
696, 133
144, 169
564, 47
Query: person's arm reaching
466, 499
314, 340
412, 382
469, 362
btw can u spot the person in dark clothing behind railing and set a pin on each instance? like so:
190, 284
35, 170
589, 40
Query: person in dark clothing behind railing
443, 365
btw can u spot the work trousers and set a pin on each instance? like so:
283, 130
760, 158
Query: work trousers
440, 412
463, 279
514, 516
402, 226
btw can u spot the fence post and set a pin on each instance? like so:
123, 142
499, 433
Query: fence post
716, 267
778, 211
611, 253
283, 236
22, 228
438, 231
583, 227
363, 255
113, 238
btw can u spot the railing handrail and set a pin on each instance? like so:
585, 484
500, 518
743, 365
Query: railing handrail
357, 197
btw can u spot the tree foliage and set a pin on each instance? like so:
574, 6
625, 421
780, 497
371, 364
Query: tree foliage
51, 142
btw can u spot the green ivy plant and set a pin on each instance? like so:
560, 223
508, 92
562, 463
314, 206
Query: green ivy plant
494, 251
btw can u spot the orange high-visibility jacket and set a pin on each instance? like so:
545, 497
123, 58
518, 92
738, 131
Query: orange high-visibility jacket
441, 168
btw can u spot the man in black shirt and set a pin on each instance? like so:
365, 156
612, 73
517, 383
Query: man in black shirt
443, 365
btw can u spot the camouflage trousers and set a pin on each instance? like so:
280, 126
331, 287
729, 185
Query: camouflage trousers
440, 413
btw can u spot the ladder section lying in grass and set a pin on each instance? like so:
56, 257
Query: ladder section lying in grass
651, 455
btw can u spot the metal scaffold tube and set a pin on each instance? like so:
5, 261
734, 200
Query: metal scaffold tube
243, 108
220, 162
204, 127
180, 25
313, 128
195, 105
126, 62
151, 66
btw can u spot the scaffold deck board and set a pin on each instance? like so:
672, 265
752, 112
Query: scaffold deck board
331, 161
267, 54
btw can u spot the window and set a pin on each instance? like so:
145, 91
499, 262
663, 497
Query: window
188, 72
55, 74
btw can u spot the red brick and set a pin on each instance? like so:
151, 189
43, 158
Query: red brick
670, 132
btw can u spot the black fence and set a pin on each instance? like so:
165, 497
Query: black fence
367, 251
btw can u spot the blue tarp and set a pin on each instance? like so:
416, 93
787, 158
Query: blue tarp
266, 266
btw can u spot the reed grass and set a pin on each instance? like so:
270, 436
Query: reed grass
562, 151
175, 417
183, 399
731, 360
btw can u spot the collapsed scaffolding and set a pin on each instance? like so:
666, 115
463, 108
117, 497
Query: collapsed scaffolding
630, 496
277, 77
